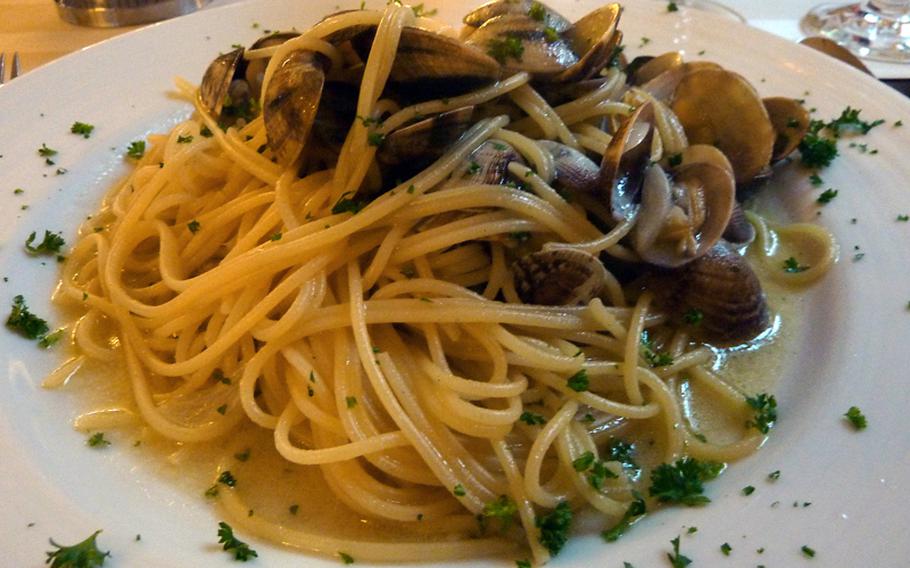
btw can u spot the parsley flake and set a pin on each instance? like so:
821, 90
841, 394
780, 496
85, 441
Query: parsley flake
50, 245
532, 419
579, 381
765, 407
97, 440
136, 149
502, 49
554, 528
792, 266
683, 481
81, 128
82, 555
677, 560
232, 544
25, 323
856, 417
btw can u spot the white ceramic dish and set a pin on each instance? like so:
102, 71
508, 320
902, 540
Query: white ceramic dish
852, 350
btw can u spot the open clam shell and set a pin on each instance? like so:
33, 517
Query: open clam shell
624, 161
682, 218
575, 172
536, 10
216, 82
559, 277
291, 101
790, 120
425, 140
721, 108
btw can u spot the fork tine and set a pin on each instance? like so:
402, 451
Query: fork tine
14, 72
2, 67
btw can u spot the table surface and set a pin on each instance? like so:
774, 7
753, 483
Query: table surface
33, 28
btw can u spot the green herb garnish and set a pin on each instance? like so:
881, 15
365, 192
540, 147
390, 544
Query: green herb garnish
25, 323
683, 481
232, 544
765, 407
502, 49
677, 560
50, 245
579, 381
554, 528
856, 417
81, 128
82, 555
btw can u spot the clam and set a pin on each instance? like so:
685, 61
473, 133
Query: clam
624, 161
427, 64
721, 108
644, 69
682, 217
216, 82
575, 172
290, 103
559, 277
255, 68
724, 288
523, 43
488, 164
536, 10
426, 140
739, 231
790, 120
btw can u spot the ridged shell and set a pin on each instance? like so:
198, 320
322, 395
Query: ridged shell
559, 277
488, 164
724, 288
575, 172
739, 230
478, 16
425, 140
217, 80
290, 103
791, 123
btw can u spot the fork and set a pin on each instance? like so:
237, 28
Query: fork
14, 72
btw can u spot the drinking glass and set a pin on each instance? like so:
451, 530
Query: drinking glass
873, 29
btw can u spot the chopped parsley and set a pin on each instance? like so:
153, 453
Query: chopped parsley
817, 151
624, 453
25, 323
693, 316
420, 11
898, 123
653, 358
850, 121
46, 152
502, 49
725, 548
346, 558
458, 490
205, 131
136, 149
774, 475
583, 462
243, 456
81, 128
50, 245
808, 551
636, 509
672, 7
579, 381
765, 407
522, 564
856, 417
748, 490
227, 478
97, 440
683, 481
675, 160
816, 180
503, 509
550, 34
375, 138
791, 265
350, 401
294, 508
532, 419
184, 139
537, 11
221, 409
50, 339
473, 167
193, 226
554, 527
82, 555
677, 560
903, 218
232, 544
827, 195
346, 205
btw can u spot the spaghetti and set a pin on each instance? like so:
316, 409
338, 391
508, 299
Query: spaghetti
388, 346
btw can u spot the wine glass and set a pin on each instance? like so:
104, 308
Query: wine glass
873, 29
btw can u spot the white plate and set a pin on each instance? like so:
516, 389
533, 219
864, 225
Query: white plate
852, 352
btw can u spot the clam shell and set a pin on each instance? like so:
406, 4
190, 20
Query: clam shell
559, 277
575, 172
488, 164
721, 108
291, 101
724, 288
425, 140
217, 80
478, 16
791, 123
